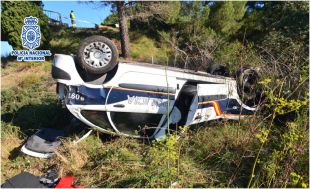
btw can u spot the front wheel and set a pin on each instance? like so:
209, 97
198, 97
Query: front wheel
218, 69
97, 55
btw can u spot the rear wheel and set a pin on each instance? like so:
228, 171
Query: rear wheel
248, 86
97, 55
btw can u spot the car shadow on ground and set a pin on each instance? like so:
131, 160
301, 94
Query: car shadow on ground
31, 117
15, 152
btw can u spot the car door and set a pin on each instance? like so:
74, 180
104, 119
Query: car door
139, 100
141, 92
209, 103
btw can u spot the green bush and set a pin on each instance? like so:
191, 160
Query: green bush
235, 54
145, 49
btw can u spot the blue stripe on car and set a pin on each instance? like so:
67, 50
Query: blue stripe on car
118, 95
82, 95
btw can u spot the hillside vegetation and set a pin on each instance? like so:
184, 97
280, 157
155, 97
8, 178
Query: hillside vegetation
215, 154
271, 149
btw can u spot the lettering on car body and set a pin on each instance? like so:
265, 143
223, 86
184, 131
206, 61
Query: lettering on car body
152, 102
138, 100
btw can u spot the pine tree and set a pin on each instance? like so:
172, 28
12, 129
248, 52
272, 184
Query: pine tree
226, 17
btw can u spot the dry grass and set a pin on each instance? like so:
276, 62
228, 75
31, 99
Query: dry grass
24, 74
99, 164
107, 28
12, 161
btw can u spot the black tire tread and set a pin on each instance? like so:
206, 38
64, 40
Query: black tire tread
218, 69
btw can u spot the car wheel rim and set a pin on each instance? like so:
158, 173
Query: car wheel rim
97, 54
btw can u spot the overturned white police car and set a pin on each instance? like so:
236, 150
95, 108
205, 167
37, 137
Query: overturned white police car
139, 99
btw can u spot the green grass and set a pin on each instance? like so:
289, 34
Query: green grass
64, 45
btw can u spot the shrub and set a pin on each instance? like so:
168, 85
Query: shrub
145, 49
29, 80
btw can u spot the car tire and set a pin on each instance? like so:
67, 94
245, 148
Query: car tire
218, 69
97, 55
247, 83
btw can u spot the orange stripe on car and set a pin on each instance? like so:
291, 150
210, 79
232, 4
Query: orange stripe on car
218, 109
215, 105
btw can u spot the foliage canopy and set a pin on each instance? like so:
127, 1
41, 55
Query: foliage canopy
12, 21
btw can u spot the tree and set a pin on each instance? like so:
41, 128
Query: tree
12, 21
283, 27
192, 20
111, 19
149, 12
153, 17
123, 29
118, 9
167, 12
226, 17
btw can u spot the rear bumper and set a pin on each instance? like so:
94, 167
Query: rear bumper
64, 70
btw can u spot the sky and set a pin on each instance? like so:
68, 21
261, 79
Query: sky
86, 14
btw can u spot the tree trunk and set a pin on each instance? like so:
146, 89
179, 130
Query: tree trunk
123, 29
